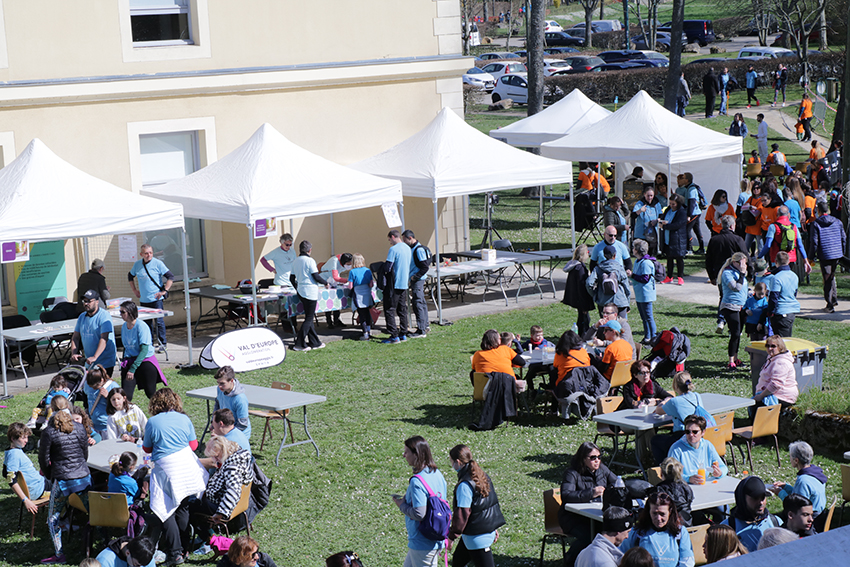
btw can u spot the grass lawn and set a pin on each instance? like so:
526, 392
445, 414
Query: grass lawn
378, 396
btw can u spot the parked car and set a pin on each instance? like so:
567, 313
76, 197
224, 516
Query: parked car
559, 50
619, 66
648, 58
662, 41
707, 60
499, 68
581, 64
697, 31
554, 65
578, 29
813, 30
597, 26
552, 26
759, 52
513, 86
479, 79
562, 38
577, 70
498, 55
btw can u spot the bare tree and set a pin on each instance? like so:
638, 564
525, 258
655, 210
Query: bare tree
589, 6
649, 31
796, 19
674, 71
762, 19
534, 47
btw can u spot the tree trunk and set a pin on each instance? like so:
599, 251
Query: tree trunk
823, 43
534, 46
601, 9
845, 106
626, 23
674, 71
588, 33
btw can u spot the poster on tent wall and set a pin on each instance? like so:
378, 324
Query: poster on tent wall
18, 251
391, 214
265, 227
40, 277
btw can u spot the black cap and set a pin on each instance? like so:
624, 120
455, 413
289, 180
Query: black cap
616, 525
91, 294
755, 488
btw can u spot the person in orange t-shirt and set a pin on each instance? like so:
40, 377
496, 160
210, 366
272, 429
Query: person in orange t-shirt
569, 354
618, 351
816, 152
768, 211
805, 116
494, 356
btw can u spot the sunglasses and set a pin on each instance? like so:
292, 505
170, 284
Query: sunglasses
693, 431
594, 457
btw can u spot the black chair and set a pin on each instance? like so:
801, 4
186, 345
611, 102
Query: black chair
59, 345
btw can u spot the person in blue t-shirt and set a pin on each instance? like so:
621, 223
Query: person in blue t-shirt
121, 479
421, 552
660, 532
15, 461
420, 261
395, 296
95, 334
155, 279
231, 395
97, 387
224, 425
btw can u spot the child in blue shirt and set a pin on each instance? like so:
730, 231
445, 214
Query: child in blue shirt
754, 307
231, 395
121, 480
16, 461
97, 388
58, 387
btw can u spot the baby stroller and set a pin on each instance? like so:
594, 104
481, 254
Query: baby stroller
75, 377
669, 351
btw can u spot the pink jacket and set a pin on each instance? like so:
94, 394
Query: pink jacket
779, 376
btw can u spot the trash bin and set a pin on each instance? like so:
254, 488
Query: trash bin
831, 89
808, 361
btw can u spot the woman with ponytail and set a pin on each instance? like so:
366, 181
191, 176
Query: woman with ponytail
476, 515
62, 456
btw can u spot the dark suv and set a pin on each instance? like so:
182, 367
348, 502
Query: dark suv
697, 31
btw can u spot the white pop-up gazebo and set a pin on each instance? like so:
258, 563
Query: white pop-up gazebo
269, 176
644, 133
43, 197
450, 158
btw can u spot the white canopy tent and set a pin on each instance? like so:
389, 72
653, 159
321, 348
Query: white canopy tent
269, 176
571, 114
450, 158
43, 197
644, 133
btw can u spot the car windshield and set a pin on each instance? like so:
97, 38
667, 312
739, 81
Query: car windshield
475, 71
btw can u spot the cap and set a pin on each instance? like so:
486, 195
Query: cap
609, 250
774, 146
617, 525
97, 264
91, 294
755, 488
614, 326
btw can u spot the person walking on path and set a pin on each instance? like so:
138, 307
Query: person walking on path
828, 245
710, 88
780, 79
782, 306
751, 77
683, 96
805, 116
733, 290
761, 136
726, 83
721, 247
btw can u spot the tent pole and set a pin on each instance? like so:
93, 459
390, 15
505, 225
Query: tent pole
333, 252
186, 293
253, 274
3, 357
540, 217
572, 219
465, 201
87, 263
401, 209
437, 253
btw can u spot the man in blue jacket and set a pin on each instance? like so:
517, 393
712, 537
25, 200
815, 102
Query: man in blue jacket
829, 244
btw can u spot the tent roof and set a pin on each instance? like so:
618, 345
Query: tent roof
643, 130
43, 197
572, 113
449, 157
269, 176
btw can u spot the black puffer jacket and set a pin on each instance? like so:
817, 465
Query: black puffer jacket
578, 487
62, 456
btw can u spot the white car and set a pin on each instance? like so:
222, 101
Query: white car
478, 79
551, 66
513, 86
552, 25
499, 68
751, 52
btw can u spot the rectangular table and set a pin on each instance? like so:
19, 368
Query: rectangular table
554, 257
518, 258
100, 453
635, 421
706, 496
457, 269
225, 295
270, 399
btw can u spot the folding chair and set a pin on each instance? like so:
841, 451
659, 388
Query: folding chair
697, 534
586, 220
39, 502
621, 376
727, 422
778, 171
106, 510
753, 169
845, 489
765, 423
823, 527
551, 504
269, 415
240, 508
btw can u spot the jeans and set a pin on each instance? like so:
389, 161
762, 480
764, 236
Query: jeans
159, 329
395, 303
749, 239
680, 266
645, 310
681, 103
751, 95
827, 270
171, 535
724, 98
420, 305
693, 225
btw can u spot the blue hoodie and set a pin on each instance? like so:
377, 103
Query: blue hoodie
811, 483
666, 550
237, 402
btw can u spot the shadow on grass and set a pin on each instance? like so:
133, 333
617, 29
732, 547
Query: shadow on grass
557, 461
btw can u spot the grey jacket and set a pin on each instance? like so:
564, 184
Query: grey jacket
600, 553
683, 91
594, 284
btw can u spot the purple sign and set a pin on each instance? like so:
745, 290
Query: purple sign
9, 252
260, 228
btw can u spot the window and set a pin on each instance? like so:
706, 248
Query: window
165, 157
160, 22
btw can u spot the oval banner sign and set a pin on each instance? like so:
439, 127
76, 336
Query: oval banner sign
244, 349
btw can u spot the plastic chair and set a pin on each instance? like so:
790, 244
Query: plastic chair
269, 415
845, 489
825, 527
240, 508
765, 423
39, 502
551, 505
609, 404
717, 436
479, 380
753, 169
697, 534
778, 171
727, 422
653, 476
621, 376
106, 510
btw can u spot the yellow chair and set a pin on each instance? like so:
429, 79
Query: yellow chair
829, 515
269, 415
39, 502
621, 376
106, 510
479, 380
551, 505
605, 405
717, 436
653, 476
753, 169
777, 171
765, 423
802, 166
240, 508
697, 534
845, 489
727, 422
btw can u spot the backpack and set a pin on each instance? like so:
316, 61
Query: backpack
703, 204
610, 284
701, 412
787, 237
438, 516
424, 264
660, 271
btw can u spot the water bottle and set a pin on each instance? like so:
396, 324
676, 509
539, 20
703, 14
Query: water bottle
619, 483
575, 328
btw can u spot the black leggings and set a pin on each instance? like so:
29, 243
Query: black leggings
733, 323
693, 225
145, 376
479, 557
680, 266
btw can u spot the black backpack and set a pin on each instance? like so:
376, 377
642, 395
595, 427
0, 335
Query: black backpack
425, 264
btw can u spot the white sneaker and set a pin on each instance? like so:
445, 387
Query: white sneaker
783, 104
720, 326
31, 423
159, 557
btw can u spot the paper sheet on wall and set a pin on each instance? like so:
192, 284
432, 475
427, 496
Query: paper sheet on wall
127, 249
391, 214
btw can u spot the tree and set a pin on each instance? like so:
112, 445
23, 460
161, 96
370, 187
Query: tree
649, 32
762, 19
674, 71
534, 47
589, 6
796, 19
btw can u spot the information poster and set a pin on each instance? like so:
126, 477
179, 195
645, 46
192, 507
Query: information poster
391, 214
265, 227
15, 251
128, 251
40, 277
